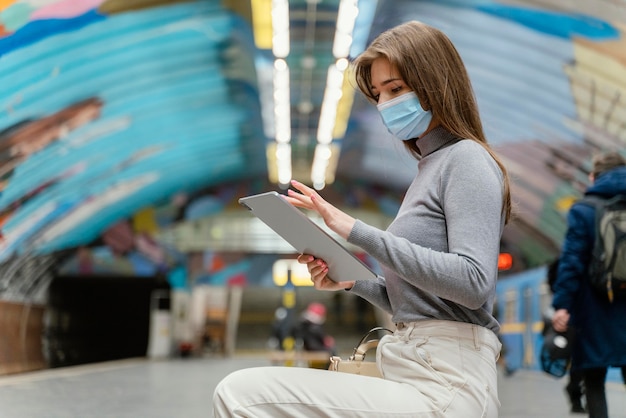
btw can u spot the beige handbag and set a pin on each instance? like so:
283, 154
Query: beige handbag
356, 363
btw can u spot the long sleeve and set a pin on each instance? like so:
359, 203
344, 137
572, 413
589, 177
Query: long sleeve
574, 257
439, 255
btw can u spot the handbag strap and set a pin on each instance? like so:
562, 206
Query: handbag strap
365, 345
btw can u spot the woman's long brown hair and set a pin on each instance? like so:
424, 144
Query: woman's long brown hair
431, 66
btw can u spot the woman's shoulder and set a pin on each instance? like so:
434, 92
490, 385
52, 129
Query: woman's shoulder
470, 153
467, 145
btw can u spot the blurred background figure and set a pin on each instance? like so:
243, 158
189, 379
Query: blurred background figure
281, 333
502, 362
575, 386
598, 320
310, 330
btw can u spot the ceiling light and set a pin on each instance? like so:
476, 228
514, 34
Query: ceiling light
280, 28
282, 102
308, 62
305, 107
342, 64
346, 17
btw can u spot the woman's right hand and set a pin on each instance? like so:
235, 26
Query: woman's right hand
340, 222
318, 269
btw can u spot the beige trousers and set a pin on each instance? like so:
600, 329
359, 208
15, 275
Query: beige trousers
431, 369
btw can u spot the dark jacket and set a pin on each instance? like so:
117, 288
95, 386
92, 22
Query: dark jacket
600, 325
313, 336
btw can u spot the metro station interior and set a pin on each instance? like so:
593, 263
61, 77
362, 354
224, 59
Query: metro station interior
130, 129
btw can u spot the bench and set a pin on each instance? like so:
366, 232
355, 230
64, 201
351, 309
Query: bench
298, 358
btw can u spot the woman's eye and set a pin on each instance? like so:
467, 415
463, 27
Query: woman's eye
396, 89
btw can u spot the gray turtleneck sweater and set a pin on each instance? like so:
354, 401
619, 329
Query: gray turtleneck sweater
439, 257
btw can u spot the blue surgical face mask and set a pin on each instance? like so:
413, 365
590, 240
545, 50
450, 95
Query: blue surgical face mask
404, 116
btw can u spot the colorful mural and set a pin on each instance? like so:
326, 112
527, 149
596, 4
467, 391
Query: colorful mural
109, 107
130, 116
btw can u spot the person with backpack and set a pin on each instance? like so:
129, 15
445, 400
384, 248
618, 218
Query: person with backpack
598, 315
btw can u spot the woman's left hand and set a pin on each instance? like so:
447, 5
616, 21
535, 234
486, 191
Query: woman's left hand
318, 269
340, 222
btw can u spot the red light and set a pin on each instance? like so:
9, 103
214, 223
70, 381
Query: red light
505, 261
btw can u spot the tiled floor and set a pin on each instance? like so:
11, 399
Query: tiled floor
141, 388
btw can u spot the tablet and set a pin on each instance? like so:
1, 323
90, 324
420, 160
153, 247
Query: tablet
307, 237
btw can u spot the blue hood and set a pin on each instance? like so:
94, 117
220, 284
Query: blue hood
609, 184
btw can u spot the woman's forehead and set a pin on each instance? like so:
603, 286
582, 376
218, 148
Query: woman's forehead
383, 72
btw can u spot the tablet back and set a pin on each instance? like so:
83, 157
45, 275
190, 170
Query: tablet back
307, 237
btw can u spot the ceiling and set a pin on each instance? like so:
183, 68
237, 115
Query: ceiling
110, 108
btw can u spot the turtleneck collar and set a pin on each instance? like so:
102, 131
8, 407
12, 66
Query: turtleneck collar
437, 138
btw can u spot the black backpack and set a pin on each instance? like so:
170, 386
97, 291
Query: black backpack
607, 267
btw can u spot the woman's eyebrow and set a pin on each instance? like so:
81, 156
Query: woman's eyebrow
385, 82
390, 80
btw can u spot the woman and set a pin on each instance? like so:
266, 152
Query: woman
439, 256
